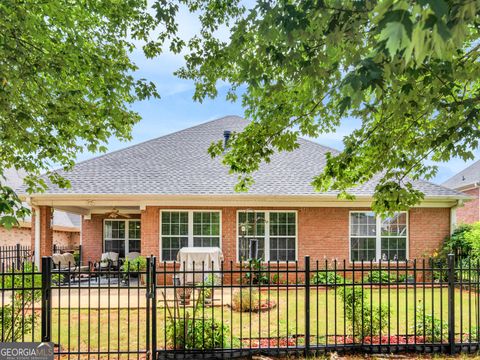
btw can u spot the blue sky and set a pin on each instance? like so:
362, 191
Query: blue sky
176, 110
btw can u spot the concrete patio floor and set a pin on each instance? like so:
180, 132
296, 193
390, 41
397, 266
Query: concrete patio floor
118, 297
123, 298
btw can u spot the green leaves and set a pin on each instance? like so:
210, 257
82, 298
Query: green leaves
11, 208
396, 30
407, 70
66, 85
396, 37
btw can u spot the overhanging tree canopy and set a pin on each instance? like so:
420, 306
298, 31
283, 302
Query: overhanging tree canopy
408, 69
66, 82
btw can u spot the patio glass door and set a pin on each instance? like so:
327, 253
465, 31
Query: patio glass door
121, 236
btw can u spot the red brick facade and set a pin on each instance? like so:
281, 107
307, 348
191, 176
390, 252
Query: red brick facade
470, 211
46, 231
428, 227
23, 236
322, 232
92, 235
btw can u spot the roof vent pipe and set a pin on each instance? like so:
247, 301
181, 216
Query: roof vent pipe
226, 136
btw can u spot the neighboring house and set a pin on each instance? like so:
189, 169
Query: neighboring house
66, 226
168, 193
468, 182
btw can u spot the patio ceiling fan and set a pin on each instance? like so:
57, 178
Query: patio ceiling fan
115, 214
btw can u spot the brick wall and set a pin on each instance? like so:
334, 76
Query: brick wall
46, 231
322, 232
92, 242
22, 236
470, 211
150, 218
428, 228
92, 233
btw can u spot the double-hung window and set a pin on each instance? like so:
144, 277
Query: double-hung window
274, 234
121, 236
376, 238
182, 228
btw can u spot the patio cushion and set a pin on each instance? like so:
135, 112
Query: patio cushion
64, 261
69, 259
58, 261
109, 256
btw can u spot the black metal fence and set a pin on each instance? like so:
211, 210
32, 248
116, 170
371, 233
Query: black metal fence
14, 256
233, 310
66, 248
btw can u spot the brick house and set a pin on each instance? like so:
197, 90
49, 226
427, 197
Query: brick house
468, 182
167, 193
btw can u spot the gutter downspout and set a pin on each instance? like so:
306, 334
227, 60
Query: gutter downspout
37, 235
453, 216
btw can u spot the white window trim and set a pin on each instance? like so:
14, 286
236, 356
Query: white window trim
190, 227
127, 234
267, 233
378, 236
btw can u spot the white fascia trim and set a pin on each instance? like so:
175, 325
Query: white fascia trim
466, 187
91, 201
37, 236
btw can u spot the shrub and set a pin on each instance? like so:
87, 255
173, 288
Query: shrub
246, 300
137, 264
192, 330
327, 278
206, 288
256, 273
362, 318
471, 241
198, 334
76, 256
430, 326
472, 335
464, 243
458, 243
17, 317
384, 277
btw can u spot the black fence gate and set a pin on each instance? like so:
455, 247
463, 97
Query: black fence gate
231, 310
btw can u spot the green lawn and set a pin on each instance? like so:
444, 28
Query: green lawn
126, 330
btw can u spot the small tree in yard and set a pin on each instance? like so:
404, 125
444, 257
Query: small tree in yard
18, 316
192, 330
363, 318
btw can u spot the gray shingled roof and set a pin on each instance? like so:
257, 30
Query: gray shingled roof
178, 163
466, 177
14, 179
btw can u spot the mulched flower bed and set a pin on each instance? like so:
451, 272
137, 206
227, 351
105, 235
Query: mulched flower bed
377, 340
265, 305
269, 342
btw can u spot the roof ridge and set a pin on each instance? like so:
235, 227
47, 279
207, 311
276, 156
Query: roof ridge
182, 130
154, 139
462, 171
321, 145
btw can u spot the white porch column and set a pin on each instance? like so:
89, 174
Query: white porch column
37, 235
